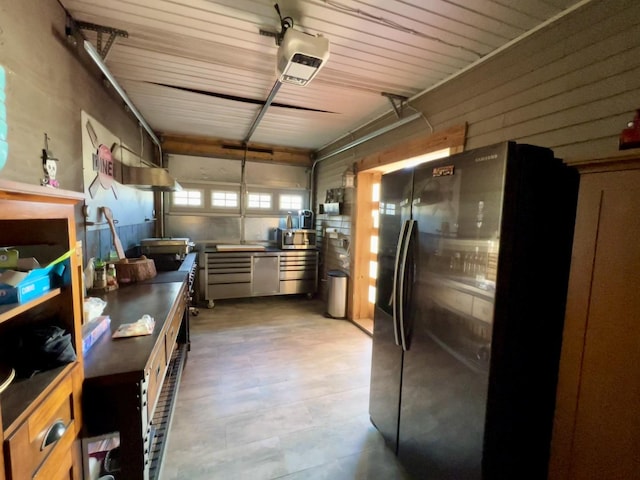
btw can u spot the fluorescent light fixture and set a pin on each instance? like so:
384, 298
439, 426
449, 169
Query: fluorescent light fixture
95, 56
413, 161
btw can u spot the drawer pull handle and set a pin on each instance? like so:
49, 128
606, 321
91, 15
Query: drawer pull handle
53, 434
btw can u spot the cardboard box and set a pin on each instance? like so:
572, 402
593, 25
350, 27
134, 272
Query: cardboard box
94, 330
25, 291
23, 286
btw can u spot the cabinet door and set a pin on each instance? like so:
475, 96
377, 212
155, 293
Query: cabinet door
266, 275
597, 428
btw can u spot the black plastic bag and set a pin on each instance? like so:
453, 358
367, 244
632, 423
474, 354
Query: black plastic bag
38, 349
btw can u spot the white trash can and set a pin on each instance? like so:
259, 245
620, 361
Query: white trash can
337, 294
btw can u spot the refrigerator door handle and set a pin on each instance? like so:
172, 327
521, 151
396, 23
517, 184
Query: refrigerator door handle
402, 276
394, 292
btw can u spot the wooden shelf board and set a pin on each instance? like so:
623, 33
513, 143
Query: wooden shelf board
9, 311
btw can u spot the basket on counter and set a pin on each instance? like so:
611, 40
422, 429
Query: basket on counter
131, 270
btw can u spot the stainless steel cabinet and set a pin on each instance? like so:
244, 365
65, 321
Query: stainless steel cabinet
298, 271
251, 274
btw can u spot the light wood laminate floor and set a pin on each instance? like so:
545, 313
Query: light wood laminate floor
274, 389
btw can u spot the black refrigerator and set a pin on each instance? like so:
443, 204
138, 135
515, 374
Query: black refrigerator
473, 264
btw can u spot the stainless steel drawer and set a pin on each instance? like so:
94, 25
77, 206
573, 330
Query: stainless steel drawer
228, 290
229, 262
228, 266
246, 274
298, 274
215, 278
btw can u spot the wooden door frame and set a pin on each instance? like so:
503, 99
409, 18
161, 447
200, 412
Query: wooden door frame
363, 227
369, 170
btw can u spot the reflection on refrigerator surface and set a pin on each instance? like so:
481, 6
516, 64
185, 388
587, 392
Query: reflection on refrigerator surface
442, 415
460, 386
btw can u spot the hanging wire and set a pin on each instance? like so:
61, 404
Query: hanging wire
285, 23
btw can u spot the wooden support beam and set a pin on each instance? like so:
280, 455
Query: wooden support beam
234, 149
453, 137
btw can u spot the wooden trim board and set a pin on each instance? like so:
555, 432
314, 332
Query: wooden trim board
234, 150
453, 138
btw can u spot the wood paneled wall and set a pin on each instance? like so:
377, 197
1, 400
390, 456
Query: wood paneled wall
571, 86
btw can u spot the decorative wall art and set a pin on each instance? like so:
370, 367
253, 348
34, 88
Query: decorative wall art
49, 165
103, 155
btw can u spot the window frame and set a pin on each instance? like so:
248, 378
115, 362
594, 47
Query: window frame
212, 191
260, 192
187, 206
299, 194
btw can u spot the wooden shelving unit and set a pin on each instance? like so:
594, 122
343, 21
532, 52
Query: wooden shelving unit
49, 400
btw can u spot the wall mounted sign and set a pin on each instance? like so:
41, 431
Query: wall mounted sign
102, 162
102, 153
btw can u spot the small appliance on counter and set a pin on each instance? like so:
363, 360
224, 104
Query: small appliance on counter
179, 247
168, 253
295, 239
305, 219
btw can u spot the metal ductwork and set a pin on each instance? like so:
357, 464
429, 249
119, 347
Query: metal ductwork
153, 179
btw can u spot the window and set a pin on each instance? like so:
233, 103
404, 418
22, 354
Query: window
261, 201
376, 218
188, 198
224, 199
378, 206
372, 294
373, 244
290, 202
375, 192
373, 269
388, 208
